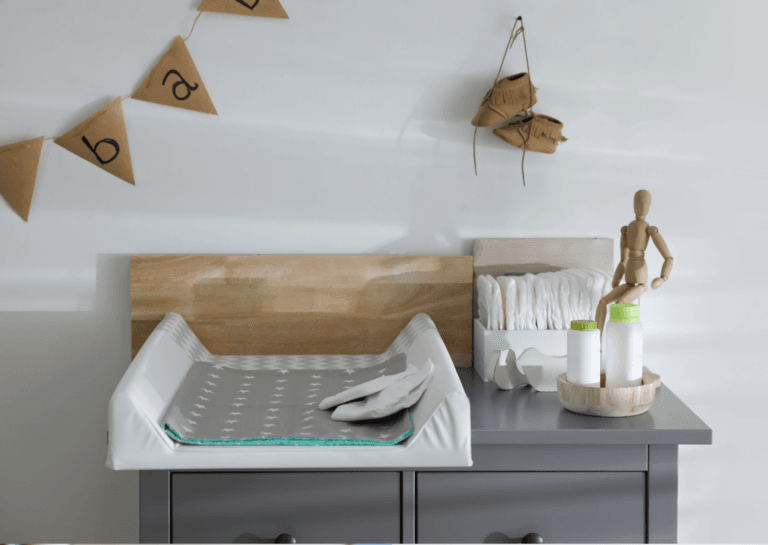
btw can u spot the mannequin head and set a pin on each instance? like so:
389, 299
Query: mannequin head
642, 204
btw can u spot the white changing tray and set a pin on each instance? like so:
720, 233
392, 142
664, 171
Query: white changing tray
441, 421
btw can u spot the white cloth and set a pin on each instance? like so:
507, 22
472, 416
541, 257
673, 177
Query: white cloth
509, 301
497, 309
555, 310
585, 293
365, 389
393, 393
522, 302
607, 281
527, 302
540, 301
551, 294
564, 293
573, 295
598, 282
484, 300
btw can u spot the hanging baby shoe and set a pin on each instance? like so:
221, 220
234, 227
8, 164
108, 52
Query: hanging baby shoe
535, 132
509, 97
506, 99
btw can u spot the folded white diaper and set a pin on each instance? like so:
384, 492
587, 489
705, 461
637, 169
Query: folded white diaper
522, 302
585, 293
551, 300
484, 300
498, 305
564, 294
383, 396
540, 301
527, 311
574, 295
509, 301
555, 310
607, 281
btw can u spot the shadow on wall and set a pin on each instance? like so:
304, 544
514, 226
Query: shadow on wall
113, 288
433, 217
428, 237
59, 371
446, 109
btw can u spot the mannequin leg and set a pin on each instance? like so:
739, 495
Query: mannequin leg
633, 293
611, 297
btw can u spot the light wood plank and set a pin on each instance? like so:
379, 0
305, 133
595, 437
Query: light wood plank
303, 304
497, 256
612, 402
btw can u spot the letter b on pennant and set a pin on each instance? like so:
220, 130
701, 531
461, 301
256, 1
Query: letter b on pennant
104, 141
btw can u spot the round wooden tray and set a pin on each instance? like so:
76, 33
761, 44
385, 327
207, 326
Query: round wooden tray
608, 401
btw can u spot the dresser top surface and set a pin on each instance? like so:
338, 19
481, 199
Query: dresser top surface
524, 416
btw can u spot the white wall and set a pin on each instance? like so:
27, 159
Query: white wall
346, 130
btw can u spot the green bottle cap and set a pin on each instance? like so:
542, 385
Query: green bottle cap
583, 325
625, 313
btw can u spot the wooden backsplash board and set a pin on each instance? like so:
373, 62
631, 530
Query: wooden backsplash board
240, 305
497, 256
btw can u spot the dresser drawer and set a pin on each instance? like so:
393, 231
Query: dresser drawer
333, 507
562, 507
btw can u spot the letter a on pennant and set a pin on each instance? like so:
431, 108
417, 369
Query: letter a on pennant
175, 81
254, 8
18, 172
102, 140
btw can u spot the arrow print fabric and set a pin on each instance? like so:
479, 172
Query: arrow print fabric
221, 405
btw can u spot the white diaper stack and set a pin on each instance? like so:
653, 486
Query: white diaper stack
540, 301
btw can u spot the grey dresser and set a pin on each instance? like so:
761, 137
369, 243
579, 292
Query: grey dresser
539, 471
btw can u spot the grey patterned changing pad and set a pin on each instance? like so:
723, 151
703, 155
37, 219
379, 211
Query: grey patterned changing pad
218, 405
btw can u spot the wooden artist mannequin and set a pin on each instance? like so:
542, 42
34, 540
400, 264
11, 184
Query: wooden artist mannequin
634, 241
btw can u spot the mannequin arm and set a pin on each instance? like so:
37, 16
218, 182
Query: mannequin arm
666, 269
619, 274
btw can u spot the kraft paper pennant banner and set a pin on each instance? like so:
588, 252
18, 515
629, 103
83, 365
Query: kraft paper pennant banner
18, 172
175, 81
102, 140
254, 8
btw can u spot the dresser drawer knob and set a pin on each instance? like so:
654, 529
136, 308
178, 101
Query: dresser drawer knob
253, 538
533, 537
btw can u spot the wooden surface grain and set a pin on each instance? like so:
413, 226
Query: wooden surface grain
604, 401
241, 305
497, 256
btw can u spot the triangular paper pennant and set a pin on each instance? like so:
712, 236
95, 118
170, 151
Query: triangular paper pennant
18, 172
254, 8
102, 140
175, 81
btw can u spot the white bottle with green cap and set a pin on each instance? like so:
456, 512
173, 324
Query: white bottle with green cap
583, 359
624, 347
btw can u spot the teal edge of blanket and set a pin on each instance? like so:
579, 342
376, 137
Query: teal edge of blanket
287, 441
